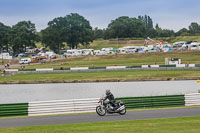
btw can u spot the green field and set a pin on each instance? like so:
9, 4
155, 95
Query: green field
192, 57
170, 125
180, 38
102, 76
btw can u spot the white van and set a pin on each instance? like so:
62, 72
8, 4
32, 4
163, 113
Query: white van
25, 61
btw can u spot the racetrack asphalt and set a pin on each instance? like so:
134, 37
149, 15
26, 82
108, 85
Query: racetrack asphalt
85, 118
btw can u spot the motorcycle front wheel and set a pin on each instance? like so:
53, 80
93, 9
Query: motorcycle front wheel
100, 111
123, 112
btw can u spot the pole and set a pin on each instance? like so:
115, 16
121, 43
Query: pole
117, 42
2, 62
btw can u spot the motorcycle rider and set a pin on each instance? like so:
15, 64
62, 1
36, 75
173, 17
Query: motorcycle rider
111, 99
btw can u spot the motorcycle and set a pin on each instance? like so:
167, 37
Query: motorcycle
106, 107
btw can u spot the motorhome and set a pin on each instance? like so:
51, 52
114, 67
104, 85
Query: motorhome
5, 56
25, 61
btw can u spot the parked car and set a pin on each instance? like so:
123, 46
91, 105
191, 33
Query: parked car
22, 55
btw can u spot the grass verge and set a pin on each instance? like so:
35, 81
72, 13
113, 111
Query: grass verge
170, 125
115, 76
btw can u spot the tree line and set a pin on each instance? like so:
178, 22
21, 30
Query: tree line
73, 29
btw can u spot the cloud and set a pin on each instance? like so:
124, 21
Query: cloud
170, 14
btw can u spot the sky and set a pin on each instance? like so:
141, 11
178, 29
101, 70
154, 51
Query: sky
169, 14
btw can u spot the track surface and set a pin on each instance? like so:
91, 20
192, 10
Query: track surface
83, 118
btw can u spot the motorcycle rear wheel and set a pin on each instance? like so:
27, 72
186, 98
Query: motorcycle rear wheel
123, 112
100, 111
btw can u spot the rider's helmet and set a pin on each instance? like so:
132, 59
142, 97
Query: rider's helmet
108, 92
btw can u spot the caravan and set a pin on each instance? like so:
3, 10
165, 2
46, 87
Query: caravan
131, 49
73, 52
87, 51
194, 46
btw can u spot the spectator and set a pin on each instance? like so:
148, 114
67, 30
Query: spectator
8, 65
5, 65
22, 67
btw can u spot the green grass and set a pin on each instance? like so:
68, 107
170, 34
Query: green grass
180, 38
169, 125
101, 76
191, 57
99, 44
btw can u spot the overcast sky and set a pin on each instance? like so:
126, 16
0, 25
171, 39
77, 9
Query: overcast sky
169, 14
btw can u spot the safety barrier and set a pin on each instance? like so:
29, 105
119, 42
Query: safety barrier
134, 67
62, 106
197, 65
192, 99
115, 67
154, 66
79, 68
181, 65
153, 101
14, 109
97, 67
45, 69
167, 65
11, 70
191, 65
89, 105
107, 68
145, 66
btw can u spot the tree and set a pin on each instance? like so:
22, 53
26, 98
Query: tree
125, 27
164, 32
182, 32
55, 34
4, 34
22, 35
148, 22
78, 31
98, 33
72, 30
194, 28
